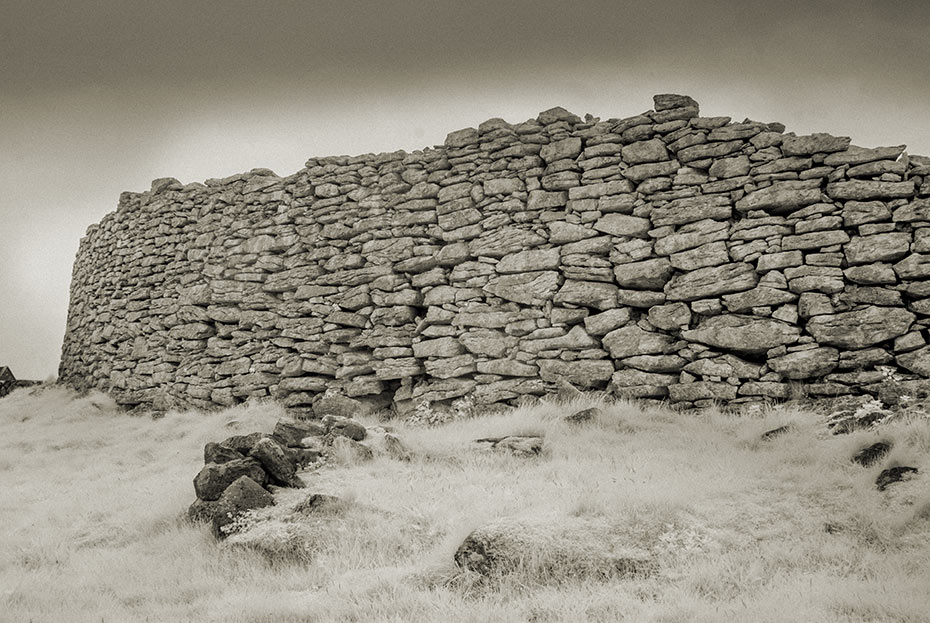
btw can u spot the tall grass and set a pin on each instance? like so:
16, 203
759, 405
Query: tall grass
92, 503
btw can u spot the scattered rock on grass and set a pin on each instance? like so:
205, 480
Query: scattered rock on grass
892, 475
321, 503
524, 446
775, 432
550, 549
872, 454
585, 415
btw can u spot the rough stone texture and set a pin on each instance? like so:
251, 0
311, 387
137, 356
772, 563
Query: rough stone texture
860, 328
561, 546
630, 254
213, 479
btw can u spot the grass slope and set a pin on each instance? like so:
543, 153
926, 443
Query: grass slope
92, 504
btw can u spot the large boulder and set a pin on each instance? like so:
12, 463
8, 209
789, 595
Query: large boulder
277, 463
551, 548
213, 479
860, 328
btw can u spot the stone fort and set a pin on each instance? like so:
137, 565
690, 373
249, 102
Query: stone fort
661, 256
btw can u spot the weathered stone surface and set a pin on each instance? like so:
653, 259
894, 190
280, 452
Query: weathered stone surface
742, 333
530, 288
276, 463
623, 225
440, 347
638, 378
605, 322
860, 328
914, 266
857, 213
583, 373
859, 155
457, 269
527, 261
343, 426
760, 296
711, 281
645, 151
587, 294
877, 248
646, 275
242, 495
813, 143
691, 209
814, 240
917, 361
550, 547
213, 479
805, 364
632, 340
702, 390
862, 190
779, 199
641, 172
691, 236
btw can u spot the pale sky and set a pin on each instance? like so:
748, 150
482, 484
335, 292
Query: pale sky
102, 96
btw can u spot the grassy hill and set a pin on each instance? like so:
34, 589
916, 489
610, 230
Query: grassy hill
93, 507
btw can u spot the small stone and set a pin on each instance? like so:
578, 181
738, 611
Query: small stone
872, 454
775, 432
892, 475
585, 415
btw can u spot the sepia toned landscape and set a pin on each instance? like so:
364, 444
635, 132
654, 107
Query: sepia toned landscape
492, 311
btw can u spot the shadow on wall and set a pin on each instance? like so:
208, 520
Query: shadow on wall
660, 256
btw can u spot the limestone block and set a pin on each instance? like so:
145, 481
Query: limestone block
632, 340
646, 275
582, 373
860, 328
711, 281
741, 333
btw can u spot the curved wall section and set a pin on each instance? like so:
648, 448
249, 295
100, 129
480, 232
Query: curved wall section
665, 255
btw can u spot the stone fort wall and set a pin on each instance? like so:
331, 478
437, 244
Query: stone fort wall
664, 255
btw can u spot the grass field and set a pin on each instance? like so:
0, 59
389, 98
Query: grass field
93, 501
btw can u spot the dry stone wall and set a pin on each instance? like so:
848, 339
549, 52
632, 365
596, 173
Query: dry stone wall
665, 255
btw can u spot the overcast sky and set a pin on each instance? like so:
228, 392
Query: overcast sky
101, 96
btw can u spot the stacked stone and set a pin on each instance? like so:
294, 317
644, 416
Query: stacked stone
662, 256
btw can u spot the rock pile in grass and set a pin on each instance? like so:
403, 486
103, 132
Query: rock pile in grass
665, 255
241, 472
